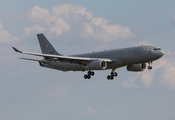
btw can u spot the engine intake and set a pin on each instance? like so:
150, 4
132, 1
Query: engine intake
136, 67
97, 65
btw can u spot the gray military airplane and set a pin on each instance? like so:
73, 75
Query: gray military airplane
135, 58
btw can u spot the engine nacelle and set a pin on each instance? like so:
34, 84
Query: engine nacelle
97, 65
136, 67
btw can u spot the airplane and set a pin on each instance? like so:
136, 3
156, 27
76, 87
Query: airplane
134, 58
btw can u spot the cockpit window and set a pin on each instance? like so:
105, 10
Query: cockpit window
157, 49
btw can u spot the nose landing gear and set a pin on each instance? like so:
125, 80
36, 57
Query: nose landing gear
150, 67
113, 74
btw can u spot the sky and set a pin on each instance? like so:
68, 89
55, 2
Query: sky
28, 91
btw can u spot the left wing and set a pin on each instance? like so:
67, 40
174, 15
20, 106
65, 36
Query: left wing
71, 59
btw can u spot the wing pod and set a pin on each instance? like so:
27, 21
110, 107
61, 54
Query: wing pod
136, 67
97, 65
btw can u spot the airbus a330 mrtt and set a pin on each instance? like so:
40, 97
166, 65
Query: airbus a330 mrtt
134, 58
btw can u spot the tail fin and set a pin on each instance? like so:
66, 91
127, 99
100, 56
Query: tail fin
45, 45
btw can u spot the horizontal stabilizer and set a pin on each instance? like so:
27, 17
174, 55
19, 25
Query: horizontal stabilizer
45, 61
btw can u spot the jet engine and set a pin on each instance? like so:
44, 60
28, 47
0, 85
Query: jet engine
136, 67
96, 65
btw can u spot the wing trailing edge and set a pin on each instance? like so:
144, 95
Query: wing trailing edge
44, 61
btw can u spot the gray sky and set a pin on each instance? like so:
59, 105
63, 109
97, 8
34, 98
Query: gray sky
28, 91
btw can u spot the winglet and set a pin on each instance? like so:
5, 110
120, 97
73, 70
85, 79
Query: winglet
16, 50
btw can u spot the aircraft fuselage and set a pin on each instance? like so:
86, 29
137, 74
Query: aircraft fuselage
121, 57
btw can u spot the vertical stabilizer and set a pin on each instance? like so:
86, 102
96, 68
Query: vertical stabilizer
45, 45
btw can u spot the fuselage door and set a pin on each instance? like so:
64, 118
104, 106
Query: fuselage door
126, 53
146, 50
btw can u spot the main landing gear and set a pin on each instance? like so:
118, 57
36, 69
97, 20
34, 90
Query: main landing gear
109, 77
113, 74
89, 74
150, 67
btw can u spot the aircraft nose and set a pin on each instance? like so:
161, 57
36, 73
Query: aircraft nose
161, 53
158, 53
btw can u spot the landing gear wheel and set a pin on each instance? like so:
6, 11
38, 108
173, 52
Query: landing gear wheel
112, 73
149, 67
85, 76
115, 74
149, 63
89, 72
92, 73
108, 77
89, 76
112, 77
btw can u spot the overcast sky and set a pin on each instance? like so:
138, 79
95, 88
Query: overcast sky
29, 92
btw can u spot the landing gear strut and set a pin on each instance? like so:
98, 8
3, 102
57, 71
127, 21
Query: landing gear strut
113, 74
150, 67
89, 74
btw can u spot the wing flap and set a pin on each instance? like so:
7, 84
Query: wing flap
44, 61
